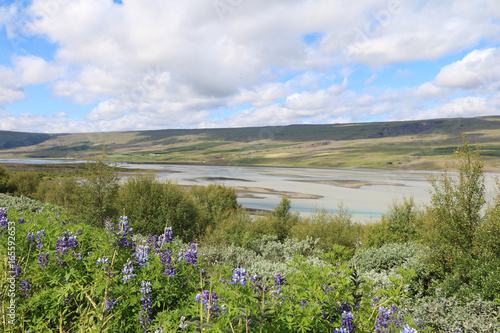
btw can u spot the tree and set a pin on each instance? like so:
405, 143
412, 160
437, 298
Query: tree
94, 199
455, 209
282, 219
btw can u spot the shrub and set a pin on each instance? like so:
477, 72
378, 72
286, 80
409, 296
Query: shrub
447, 314
329, 228
26, 204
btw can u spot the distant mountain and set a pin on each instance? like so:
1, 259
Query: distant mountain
19, 139
418, 144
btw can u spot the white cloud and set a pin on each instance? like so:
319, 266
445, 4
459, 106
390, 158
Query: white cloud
35, 70
156, 64
480, 69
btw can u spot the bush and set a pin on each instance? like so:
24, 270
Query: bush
447, 314
26, 204
329, 228
153, 205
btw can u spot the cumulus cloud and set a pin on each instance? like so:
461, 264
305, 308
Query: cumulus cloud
480, 70
156, 64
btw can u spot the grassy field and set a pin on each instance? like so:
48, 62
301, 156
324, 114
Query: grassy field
423, 145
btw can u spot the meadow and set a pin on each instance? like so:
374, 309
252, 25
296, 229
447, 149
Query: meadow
150, 256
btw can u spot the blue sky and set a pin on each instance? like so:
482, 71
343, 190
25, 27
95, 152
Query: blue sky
104, 65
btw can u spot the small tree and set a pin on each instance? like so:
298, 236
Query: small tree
282, 219
455, 208
94, 199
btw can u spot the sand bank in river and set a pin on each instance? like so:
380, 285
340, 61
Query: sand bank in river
244, 190
348, 183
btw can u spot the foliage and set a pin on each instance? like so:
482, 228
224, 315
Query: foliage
152, 204
456, 209
399, 225
385, 257
328, 228
265, 256
94, 199
25, 204
73, 277
443, 314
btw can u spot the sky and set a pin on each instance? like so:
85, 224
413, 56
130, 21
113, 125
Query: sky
70, 66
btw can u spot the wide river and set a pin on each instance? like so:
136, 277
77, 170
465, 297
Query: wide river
367, 193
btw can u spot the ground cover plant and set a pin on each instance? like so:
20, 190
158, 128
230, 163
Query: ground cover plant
168, 259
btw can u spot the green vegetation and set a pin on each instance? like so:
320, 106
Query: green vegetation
81, 265
397, 145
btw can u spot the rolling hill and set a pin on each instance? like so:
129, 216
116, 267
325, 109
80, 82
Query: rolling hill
422, 144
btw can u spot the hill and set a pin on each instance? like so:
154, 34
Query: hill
422, 144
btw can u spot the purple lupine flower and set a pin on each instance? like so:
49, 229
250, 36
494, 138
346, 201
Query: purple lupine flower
347, 321
166, 262
77, 256
146, 304
303, 303
253, 278
30, 237
170, 271
39, 236
20, 220
67, 300
125, 234
24, 287
103, 260
141, 255
110, 227
239, 277
166, 258
408, 329
43, 259
110, 303
383, 320
15, 270
159, 330
210, 303
128, 271
65, 242
192, 254
183, 324
4, 221
279, 280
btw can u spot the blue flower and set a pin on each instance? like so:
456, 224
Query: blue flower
128, 271
210, 303
239, 277
24, 287
146, 305
408, 329
43, 259
141, 255
103, 261
110, 303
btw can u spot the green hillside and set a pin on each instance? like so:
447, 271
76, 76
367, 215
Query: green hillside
420, 144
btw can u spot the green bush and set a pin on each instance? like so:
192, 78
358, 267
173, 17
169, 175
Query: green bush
26, 204
24, 183
386, 257
328, 228
153, 205
266, 256
446, 314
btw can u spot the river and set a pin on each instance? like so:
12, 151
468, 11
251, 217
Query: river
367, 193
